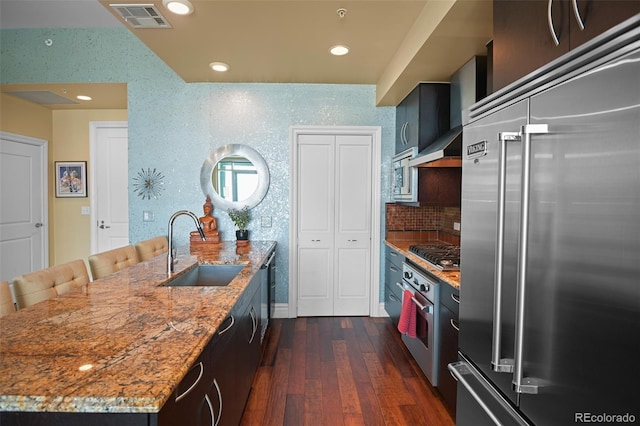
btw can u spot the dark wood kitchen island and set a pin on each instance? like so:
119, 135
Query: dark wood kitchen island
116, 350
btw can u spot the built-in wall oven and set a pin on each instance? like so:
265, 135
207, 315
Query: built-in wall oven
404, 179
425, 294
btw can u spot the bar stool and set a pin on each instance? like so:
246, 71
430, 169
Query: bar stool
49, 283
152, 247
110, 261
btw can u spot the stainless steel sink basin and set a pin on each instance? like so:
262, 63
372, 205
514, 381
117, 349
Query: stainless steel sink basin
207, 275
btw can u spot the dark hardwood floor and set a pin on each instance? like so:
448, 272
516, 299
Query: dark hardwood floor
340, 371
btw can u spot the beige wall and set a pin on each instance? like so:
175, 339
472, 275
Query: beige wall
28, 119
71, 137
67, 132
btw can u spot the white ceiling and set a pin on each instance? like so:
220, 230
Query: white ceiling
394, 43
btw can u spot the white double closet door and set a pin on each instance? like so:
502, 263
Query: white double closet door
334, 217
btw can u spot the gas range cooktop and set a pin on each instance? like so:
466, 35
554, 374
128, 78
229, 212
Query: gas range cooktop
443, 257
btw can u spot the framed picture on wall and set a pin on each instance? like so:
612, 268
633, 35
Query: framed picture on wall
71, 178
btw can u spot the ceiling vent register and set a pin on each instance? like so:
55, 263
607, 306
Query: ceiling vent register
141, 15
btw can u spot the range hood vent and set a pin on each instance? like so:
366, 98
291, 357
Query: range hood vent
448, 146
141, 15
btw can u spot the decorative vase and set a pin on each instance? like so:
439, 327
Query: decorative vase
242, 234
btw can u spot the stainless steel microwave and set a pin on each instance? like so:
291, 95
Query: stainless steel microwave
404, 179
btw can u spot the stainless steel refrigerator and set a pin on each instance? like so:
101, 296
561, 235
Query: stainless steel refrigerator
550, 243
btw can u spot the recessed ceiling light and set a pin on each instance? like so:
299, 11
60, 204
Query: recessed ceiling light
179, 7
84, 97
339, 50
219, 66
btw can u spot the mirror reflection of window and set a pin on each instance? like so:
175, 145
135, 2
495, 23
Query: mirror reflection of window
235, 178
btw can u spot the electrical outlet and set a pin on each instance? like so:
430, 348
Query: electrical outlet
147, 216
84, 210
265, 221
456, 226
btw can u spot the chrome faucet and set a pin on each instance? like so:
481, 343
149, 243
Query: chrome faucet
171, 256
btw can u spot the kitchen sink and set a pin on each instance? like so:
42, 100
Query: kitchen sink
207, 275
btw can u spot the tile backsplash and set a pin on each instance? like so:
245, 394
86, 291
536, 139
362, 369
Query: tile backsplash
422, 223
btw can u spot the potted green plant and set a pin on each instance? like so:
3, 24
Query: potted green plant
241, 219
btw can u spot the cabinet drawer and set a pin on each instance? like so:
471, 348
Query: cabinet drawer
394, 257
450, 297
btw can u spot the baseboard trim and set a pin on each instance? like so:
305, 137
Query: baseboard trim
281, 310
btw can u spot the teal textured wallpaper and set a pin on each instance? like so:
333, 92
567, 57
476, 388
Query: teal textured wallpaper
173, 125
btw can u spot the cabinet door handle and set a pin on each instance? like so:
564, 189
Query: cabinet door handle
454, 324
185, 393
268, 262
393, 297
233, 321
215, 383
210, 405
576, 13
552, 30
405, 140
254, 326
455, 299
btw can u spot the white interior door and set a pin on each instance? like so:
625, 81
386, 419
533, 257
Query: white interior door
334, 224
352, 280
23, 205
109, 186
315, 215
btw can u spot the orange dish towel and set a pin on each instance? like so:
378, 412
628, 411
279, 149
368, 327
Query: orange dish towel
407, 322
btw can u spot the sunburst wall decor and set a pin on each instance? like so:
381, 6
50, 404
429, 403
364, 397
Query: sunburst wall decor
148, 183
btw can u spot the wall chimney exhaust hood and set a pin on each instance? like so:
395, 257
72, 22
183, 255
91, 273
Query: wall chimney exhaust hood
446, 151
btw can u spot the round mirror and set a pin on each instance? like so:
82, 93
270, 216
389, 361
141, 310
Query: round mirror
234, 176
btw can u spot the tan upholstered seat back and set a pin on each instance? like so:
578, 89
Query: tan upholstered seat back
148, 249
108, 262
6, 300
48, 283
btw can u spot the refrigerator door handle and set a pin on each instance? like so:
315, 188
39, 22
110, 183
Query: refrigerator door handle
493, 405
520, 383
498, 364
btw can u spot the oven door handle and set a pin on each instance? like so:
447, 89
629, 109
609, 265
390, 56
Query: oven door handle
423, 308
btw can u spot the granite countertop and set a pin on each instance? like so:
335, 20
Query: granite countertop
139, 336
450, 277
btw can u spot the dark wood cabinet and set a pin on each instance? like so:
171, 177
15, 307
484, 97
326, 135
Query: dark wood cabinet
236, 355
189, 403
248, 352
440, 184
226, 406
76, 419
523, 34
422, 116
393, 277
449, 306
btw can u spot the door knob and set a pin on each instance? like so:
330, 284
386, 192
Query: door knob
39, 225
103, 226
